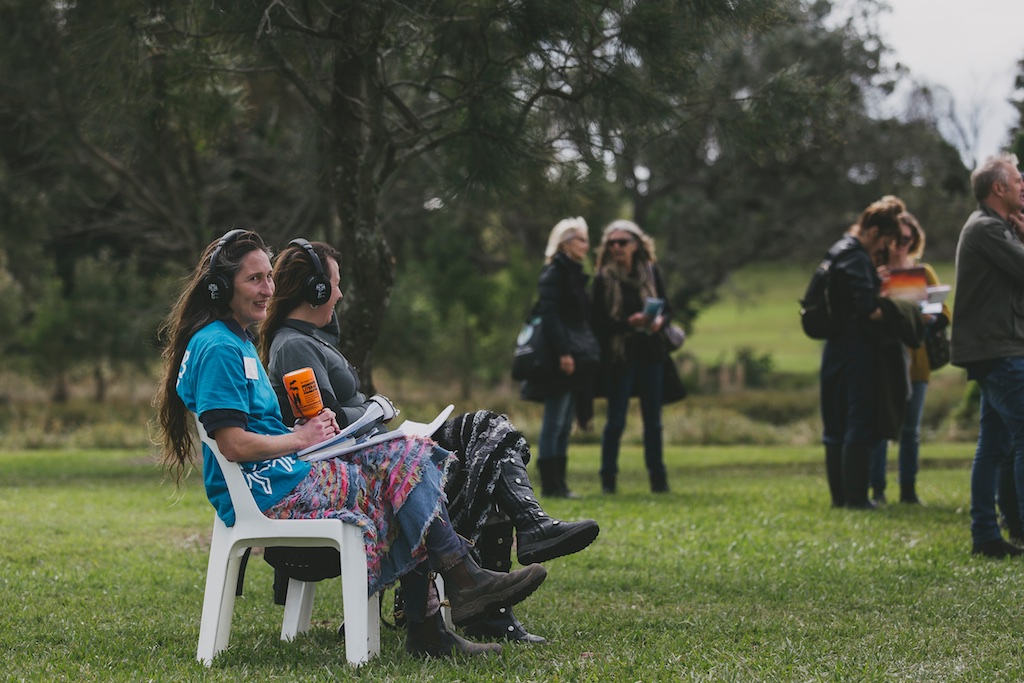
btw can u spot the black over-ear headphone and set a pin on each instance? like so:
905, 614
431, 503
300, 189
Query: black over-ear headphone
218, 286
316, 290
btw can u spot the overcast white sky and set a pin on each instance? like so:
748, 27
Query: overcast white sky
969, 46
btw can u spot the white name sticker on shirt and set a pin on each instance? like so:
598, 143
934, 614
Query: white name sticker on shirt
251, 371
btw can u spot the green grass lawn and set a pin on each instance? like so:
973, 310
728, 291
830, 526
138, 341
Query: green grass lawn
759, 310
742, 573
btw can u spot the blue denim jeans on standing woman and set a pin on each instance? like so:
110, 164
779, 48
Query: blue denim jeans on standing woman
648, 380
1000, 443
910, 442
556, 427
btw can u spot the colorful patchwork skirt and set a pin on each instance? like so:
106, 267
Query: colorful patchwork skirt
392, 491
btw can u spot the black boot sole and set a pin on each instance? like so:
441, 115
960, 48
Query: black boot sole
559, 546
503, 626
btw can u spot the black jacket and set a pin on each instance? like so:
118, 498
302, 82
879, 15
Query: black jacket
855, 281
564, 308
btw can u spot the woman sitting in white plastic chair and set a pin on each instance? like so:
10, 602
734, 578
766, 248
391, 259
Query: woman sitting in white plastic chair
393, 491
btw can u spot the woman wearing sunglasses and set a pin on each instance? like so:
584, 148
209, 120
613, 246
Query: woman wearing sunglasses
626, 290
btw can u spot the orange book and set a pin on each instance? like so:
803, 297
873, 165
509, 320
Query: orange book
909, 284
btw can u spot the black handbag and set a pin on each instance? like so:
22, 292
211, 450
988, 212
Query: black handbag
583, 345
936, 343
532, 357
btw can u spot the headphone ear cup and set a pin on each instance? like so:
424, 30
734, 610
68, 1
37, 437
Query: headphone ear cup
218, 289
218, 286
317, 289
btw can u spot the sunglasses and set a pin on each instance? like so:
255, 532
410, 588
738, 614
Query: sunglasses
618, 243
904, 240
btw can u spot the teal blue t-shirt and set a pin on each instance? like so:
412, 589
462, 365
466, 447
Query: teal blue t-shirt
222, 371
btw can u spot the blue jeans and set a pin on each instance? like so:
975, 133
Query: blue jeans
910, 442
648, 379
1000, 443
556, 427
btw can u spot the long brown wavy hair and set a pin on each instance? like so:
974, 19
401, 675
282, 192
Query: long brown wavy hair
291, 269
192, 311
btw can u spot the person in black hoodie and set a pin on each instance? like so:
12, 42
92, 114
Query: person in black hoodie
564, 309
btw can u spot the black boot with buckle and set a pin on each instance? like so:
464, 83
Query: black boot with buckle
426, 634
538, 537
495, 549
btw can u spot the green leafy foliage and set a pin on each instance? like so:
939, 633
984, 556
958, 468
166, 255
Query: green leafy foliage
733, 132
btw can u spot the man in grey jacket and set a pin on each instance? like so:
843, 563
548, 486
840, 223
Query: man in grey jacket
988, 339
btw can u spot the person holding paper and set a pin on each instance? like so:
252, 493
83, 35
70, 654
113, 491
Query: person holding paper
630, 309
905, 253
212, 371
489, 472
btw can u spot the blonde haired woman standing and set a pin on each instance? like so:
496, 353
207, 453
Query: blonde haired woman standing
564, 309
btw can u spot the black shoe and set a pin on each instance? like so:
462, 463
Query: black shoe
472, 591
862, 505
908, 494
502, 623
997, 548
431, 639
551, 538
607, 483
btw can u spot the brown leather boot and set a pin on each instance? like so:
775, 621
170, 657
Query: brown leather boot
472, 590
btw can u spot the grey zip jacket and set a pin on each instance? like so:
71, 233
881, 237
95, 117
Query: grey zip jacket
988, 311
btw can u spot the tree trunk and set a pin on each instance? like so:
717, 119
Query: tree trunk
367, 263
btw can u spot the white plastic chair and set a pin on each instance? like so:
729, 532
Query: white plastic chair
253, 528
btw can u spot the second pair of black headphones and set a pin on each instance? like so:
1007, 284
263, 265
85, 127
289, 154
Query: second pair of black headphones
316, 290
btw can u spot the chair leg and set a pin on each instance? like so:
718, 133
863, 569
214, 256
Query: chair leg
355, 603
298, 608
218, 604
